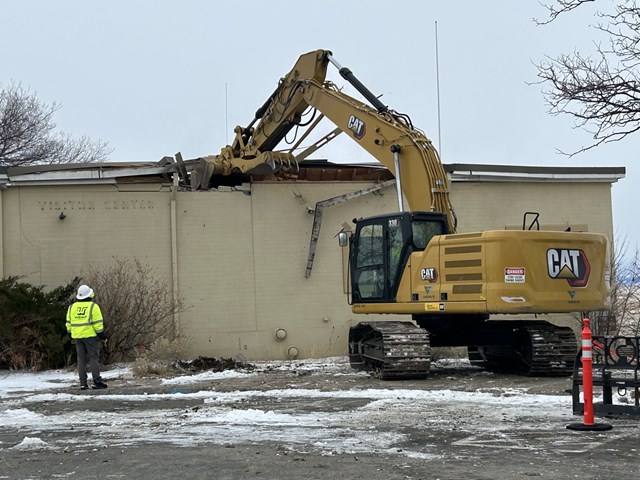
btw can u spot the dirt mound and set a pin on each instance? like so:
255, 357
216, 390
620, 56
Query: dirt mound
213, 364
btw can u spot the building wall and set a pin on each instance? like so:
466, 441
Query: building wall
499, 205
216, 271
242, 262
241, 259
100, 223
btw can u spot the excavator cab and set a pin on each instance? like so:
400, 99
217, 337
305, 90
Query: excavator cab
380, 248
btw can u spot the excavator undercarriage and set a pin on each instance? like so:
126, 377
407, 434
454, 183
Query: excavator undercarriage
402, 350
390, 350
539, 349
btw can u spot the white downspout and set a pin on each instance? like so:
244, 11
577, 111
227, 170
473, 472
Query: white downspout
174, 254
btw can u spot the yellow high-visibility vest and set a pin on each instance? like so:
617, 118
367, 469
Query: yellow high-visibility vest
84, 319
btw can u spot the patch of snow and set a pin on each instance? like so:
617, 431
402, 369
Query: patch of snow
205, 376
16, 383
31, 443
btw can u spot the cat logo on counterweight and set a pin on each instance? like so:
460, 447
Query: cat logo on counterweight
569, 264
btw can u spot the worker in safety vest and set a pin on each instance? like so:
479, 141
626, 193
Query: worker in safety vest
86, 327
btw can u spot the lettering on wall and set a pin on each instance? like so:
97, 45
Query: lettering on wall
91, 205
59, 205
128, 205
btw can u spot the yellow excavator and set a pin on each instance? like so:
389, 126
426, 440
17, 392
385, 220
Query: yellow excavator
413, 262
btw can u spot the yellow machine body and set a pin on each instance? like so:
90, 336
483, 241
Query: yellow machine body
503, 272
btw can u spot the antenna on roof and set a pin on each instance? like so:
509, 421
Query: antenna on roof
438, 91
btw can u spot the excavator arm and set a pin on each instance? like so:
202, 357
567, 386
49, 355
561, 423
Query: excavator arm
387, 135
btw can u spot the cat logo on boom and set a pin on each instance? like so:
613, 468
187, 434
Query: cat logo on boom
357, 126
569, 264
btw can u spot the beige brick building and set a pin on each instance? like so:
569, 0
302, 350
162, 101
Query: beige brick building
253, 259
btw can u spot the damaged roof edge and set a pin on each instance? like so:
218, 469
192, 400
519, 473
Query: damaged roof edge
459, 172
82, 173
506, 173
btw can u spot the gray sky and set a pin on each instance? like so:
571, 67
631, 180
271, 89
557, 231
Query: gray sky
156, 77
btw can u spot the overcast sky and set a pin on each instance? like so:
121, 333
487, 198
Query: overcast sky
156, 77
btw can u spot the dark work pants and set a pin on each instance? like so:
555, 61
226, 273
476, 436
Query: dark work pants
88, 348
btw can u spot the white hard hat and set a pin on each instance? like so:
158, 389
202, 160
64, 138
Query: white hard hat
84, 291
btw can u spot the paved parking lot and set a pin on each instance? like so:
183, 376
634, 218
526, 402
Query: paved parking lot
307, 419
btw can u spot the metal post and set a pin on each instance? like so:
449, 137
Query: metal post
395, 149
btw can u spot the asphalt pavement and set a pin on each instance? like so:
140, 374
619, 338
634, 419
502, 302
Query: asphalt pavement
311, 420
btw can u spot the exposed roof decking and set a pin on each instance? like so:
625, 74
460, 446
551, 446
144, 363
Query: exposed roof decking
308, 171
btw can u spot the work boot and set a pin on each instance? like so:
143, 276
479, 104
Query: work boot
99, 385
83, 387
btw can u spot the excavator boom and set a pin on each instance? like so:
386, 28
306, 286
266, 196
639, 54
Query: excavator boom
388, 136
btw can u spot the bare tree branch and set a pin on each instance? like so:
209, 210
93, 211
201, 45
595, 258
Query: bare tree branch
623, 317
28, 136
600, 91
560, 7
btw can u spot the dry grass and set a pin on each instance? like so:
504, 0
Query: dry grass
161, 357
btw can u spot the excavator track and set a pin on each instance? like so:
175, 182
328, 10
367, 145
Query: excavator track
541, 349
390, 350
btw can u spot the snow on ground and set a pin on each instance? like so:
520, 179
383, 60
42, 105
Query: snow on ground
344, 419
12, 383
